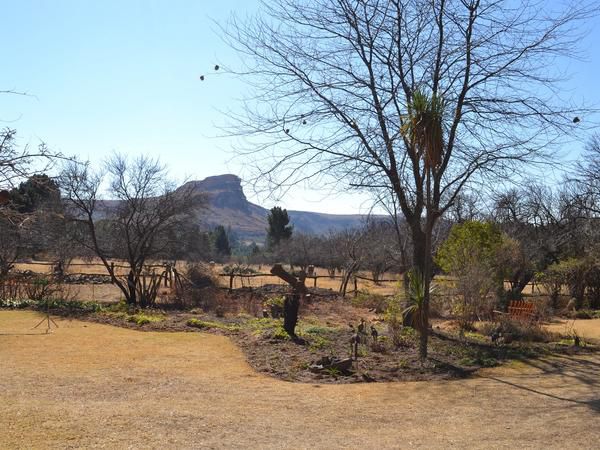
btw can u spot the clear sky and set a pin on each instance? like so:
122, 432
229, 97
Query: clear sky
124, 75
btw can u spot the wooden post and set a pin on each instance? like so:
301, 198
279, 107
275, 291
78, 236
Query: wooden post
315, 281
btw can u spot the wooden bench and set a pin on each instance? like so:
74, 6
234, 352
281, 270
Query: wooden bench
521, 310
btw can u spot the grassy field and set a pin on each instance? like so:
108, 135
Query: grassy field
111, 293
95, 386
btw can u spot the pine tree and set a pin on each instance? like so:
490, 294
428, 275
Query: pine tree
279, 228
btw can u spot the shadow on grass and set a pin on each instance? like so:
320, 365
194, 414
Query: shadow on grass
581, 378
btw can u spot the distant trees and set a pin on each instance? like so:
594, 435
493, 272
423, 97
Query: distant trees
136, 225
279, 228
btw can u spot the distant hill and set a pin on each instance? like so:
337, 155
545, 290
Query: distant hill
229, 206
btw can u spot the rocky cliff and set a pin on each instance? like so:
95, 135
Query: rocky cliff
229, 206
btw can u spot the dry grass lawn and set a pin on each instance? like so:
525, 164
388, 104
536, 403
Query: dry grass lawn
94, 386
586, 329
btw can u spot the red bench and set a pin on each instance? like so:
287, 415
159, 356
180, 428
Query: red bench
521, 310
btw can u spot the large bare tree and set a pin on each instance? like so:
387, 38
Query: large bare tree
414, 98
137, 225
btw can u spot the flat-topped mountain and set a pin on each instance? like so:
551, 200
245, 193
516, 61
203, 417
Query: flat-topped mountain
229, 206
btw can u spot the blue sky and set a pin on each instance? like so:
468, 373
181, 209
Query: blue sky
124, 76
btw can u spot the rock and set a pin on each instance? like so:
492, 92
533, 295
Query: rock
344, 366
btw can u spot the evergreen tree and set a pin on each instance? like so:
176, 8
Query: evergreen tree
221, 241
279, 228
33, 193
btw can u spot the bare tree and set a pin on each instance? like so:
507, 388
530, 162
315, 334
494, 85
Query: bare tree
415, 98
137, 225
351, 245
549, 223
17, 165
588, 176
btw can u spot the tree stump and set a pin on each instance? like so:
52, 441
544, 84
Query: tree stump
292, 301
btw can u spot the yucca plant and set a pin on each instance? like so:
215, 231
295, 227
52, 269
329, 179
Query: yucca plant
423, 126
416, 311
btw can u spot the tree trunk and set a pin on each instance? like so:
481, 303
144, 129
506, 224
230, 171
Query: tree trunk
291, 305
132, 297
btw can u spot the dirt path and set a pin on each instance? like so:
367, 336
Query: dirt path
89, 385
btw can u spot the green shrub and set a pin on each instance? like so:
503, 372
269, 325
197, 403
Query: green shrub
319, 343
205, 325
143, 319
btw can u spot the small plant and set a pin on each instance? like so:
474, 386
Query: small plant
393, 318
40, 288
16, 303
143, 319
379, 345
415, 312
275, 306
279, 333
206, 325
318, 343
508, 330
332, 371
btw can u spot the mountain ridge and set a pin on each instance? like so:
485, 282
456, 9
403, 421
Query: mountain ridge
229, 206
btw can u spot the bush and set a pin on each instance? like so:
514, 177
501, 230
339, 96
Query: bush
142, 319
400, 335
376, 302
275, 306
200, 289
516, 330
200, 276
207, 325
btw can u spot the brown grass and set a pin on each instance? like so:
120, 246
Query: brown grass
89, 386
586, 329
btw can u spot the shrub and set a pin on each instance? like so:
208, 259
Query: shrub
200, 276
376, 302
516, 330
142, 319
394, 319
275, 306
478, 255
205, 325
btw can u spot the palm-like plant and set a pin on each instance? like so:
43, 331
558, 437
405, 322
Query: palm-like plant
423, 126
416, 311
